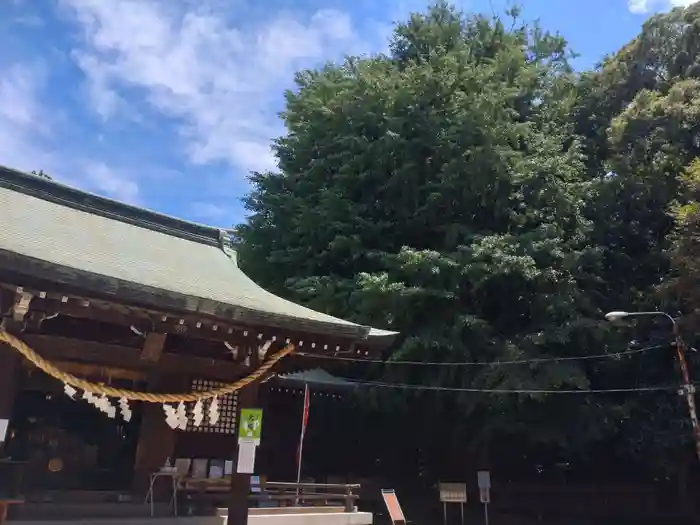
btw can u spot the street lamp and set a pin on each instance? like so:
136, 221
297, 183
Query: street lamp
688, 388
618, 316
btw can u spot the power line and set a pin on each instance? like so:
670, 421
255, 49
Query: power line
404, 386
538, 360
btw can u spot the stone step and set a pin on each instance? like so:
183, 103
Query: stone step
82, 496
33, 511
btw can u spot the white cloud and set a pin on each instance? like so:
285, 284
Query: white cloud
107, 181
215, 75
216, 81
23, 124
647, 6
27, 132
208, 211
639, 6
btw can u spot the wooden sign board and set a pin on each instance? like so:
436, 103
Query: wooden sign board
393, 506
484, 479
485, 495
453, 492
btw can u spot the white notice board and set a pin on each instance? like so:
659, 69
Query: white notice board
4, 423
453, 492
484, 479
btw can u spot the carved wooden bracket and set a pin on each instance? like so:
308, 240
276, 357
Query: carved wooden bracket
233, 349
262, 349
21, 307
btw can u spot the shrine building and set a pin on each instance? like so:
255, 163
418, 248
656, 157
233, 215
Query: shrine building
125, 297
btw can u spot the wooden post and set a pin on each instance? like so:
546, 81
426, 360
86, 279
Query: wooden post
8, 385
240, 483
8, 381
349, 500
156, 438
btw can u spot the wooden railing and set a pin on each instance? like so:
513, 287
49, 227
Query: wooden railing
284, 494
299, 493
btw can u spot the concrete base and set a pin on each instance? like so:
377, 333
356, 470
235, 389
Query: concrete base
311, 518
276, 511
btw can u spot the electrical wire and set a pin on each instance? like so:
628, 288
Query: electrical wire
404, 386
537, 360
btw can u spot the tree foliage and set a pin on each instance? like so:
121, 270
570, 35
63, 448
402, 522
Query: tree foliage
469, 190
642, 144
41, 174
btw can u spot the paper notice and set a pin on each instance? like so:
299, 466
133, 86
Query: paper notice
246, 457
4, 423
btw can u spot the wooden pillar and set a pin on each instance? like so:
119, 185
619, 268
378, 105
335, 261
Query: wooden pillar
16, 305
9, 370
156, 438
240, 483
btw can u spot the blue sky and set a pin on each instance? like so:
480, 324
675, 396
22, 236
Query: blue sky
168, 104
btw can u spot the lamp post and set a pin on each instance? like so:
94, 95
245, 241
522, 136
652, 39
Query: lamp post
688, 388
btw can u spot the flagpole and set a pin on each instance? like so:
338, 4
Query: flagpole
304, 420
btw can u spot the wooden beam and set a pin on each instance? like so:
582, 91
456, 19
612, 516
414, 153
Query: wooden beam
100, 372
153, 347
186, 324
120, 314
65, 349
144, 321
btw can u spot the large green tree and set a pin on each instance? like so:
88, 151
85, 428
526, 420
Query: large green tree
634, 115
637, 115
471, 192
438, 191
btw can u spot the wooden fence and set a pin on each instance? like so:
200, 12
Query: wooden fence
215, 492
653, 503
621, 503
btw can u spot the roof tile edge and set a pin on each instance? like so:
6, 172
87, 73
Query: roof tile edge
227, 245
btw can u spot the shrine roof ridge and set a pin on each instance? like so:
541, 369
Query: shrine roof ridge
64, 195
52, 233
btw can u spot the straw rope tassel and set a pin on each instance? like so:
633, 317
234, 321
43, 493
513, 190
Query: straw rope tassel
132, 395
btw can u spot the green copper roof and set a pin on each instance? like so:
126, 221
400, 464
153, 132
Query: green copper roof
315, 377
59, 234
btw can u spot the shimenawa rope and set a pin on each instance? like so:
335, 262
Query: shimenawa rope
132, 395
